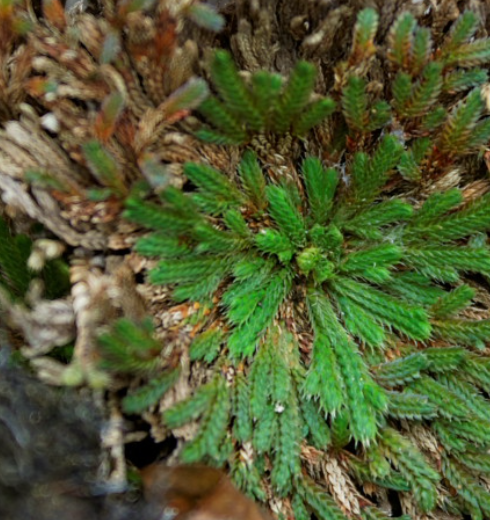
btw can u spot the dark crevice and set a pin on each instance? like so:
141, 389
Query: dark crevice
145, 452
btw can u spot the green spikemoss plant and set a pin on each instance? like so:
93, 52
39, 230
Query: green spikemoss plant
267, 104
366, 275
337, 310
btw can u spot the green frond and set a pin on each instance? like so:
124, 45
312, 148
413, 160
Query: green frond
402, 88
216, 241
461, 31
139, 400
265, 430
384, 255
413, 466
252, 267
401, 370
394, 480
217, 114
448, 403
467, 487
341, 434
321, 185
243, 340
201, 289
477, 370
432, 224
434, 119
285, 214
410, 161
415, 287
364, 32
400, 39
157, 217
360, 323
408, 405
241, 292
233, 90
159, 244
378, 464
473, 333
355, 104
320, 502
379, 115
252, 179
453, 302
189, 409
316, 424
129, 347
445, 359
236, 223
212, 182
266, 93
352, 370
461, 80
479, 462
429, 259
480, 134
280, 376
259, 380
457, 130
409, 320
469, 55
247, 477
421, 49
216, 137
241, 408
187, 270
312, 116
424, 94
207, 345
273, 242
213, 426
369, 175
295, 96
299, 508
476, 403
451, 441
367, 223
324, 367
104, 167
287, 467
435, 206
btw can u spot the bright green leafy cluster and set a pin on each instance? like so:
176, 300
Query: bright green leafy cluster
368, 272
339, 307
266, 105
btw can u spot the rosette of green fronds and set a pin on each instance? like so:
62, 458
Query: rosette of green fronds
265, 104
362, 272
